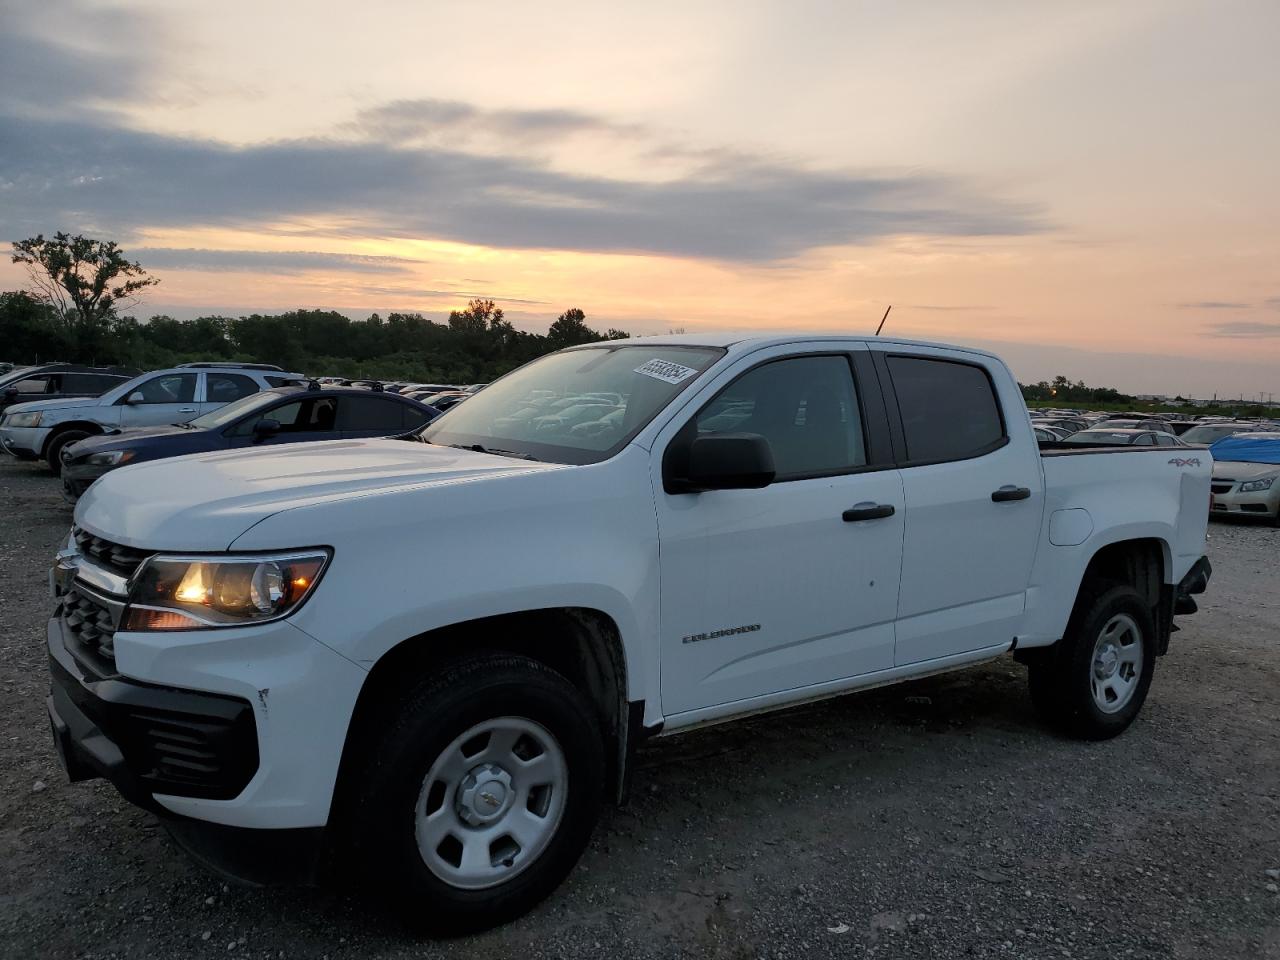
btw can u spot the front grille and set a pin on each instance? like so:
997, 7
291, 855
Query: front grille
115, 557
91, 629
1222, 487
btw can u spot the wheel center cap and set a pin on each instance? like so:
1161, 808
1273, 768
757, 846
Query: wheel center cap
1107, 662
484, 794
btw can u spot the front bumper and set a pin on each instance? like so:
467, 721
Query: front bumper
77, 477
147, 739
1229, 501
23, 442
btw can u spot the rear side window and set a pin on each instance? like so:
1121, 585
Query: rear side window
805, 407
225, 387
370, 413
949, 409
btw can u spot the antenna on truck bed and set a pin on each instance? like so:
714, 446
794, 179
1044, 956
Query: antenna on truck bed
883, 319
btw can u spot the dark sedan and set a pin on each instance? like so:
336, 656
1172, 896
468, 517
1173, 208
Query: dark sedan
282, 415
1124, 437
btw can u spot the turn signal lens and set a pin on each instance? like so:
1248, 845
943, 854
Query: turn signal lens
137, 618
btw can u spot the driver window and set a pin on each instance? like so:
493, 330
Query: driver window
805, 407
169, 388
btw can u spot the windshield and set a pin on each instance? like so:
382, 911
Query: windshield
576, 406
234, 410
1208, 434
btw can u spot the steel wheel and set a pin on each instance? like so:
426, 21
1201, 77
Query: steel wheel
491, 802
1117, 663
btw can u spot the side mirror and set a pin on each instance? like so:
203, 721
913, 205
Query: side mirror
135, 397
265, 428
725, 461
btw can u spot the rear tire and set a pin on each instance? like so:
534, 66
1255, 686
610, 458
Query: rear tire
53, 452
1092, 683
480, 795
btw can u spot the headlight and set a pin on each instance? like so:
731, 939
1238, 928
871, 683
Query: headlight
1253, 486
111, 459
194, 593
23, 419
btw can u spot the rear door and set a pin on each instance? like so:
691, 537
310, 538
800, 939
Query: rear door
164, 398
769, 592
974, 498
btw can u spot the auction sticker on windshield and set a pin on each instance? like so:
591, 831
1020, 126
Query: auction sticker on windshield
666, 371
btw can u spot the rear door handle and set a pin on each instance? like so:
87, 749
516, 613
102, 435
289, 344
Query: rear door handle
1010, 492
868, 511
186, 409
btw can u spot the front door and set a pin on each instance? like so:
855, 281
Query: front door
773, 590
165, 398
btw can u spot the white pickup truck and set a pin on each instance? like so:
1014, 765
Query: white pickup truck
431, 661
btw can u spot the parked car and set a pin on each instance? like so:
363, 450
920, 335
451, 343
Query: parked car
443, 401
457, 731
264, 419
1204, 434
1047, 434
176, 395
1246, 476
1124, 437
58, 381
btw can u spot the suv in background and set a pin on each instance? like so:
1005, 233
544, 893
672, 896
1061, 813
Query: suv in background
182, 393
56, 381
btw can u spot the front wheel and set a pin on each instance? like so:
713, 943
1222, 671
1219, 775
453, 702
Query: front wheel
58, 443
1093, 682
481, 796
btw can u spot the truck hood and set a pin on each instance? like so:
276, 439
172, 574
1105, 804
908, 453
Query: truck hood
206, 500
64, 403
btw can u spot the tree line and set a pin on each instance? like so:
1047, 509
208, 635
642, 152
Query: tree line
80, 288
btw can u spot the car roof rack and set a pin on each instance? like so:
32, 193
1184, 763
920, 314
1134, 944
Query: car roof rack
232, 364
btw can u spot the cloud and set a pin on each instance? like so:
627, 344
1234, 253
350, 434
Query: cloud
1213, 305
1246, 329
76, 175
930, 306
263, 261
402, 121
436, 169
1272, 303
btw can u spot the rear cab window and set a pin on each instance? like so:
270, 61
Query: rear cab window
949, 409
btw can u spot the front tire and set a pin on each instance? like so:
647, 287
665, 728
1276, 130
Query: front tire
480, 796
59, 441
1092, 683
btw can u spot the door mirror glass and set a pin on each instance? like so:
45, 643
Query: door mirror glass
264, 428
729, 461
135, 397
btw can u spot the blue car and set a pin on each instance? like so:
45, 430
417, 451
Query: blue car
281, 415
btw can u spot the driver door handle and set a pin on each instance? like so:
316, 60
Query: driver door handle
186, 409
867, 511
1010, 492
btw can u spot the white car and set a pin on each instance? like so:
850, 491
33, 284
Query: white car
42, 428
1243, 487
247, 642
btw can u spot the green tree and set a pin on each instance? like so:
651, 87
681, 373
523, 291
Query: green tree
83, 281
570, 329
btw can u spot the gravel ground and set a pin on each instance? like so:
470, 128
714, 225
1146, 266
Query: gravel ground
932, 819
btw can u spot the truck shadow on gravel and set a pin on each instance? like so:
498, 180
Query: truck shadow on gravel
696, 795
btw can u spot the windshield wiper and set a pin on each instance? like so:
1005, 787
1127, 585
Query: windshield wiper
480, 448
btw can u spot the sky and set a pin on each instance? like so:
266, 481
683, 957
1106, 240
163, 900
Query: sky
1088, 187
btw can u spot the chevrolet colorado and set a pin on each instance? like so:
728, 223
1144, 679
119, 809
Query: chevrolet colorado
644, 536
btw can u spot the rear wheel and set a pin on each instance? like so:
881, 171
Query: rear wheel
57, 443
480, 797
1093, 682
